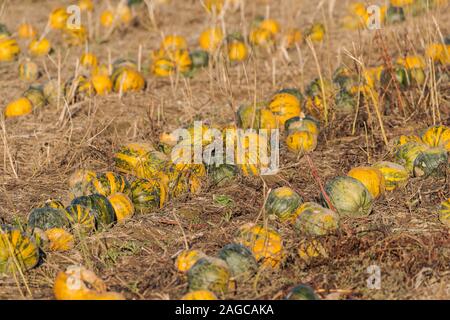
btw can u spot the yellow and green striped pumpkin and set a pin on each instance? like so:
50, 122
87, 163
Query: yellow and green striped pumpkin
109, 183
315, 220
395, 175
185, 178
431, 162
444, 213
240, 260
52, 203
79, 182
46, 218
17, 251
149, 193
307, 123
255, 117
282, 203
211, 274
406, 154
103, 210
349, 196
81, 218
437, 136
36, 96
123, 206
28, 71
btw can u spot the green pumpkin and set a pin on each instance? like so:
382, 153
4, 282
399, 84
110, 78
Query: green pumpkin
102, 208
52, 203
200, 59
47, 218
240, 260
17, 251
431, 162
349, 196
302, 292
222, 174
81, 217
148, 194
109, 183
407, 153
395, 15
315, 220
282, 203
36, 96
209, 274
345, 103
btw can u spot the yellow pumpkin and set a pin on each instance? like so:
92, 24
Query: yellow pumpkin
88, 60
173, 42
270, 25
102, 84
26, 31
86, 5
439, 52
372, 75
301, 142
59, 239
316, 33
187, 258
311, 249
127, 79
182, 60
401, 3
248, 148
284, 106
58, 18
261, 37
211, 39
412, 62
237, 51
163, 67
9, 49
199, 295
40, 47
75, 36
292, 38
107, 18
266, 244
123, 207
79, 283
405, 139
395, 175
437, 136
19, 107
28, 71
371, 178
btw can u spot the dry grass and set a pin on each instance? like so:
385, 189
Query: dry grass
403, 235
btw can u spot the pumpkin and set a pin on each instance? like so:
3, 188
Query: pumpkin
102, 84
123, 207
163, 67
52, 203
75, 36
240, 260
403, 139
199, 295
4, 32
411, 62
109, 183
371, 178
315, 220
437, 136
237, 51
302, 292
307, 123
265, 243
199, 58
58, 19
185, 178
256, 117
39, 47
107, 18
88, 60
439, 53
316, 32
79, 283
261, 37
431, 162
248, 153
17, 251
52, 92
149, 193
173, 42
36, 96
222, 174
79, 182
349, 196
310, 249
187, 258
345, 102
209, 274
282, 203
102, 208
401, 3
78, 88
9, 49
19, 107
182, 60
301, 142
28, 71
271, 25
211, 39
406, 154
444, 213
26, 31
59, 239
81, 218
126, 79
284, 106
86, 5
395, 175
46, 218
291, 38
